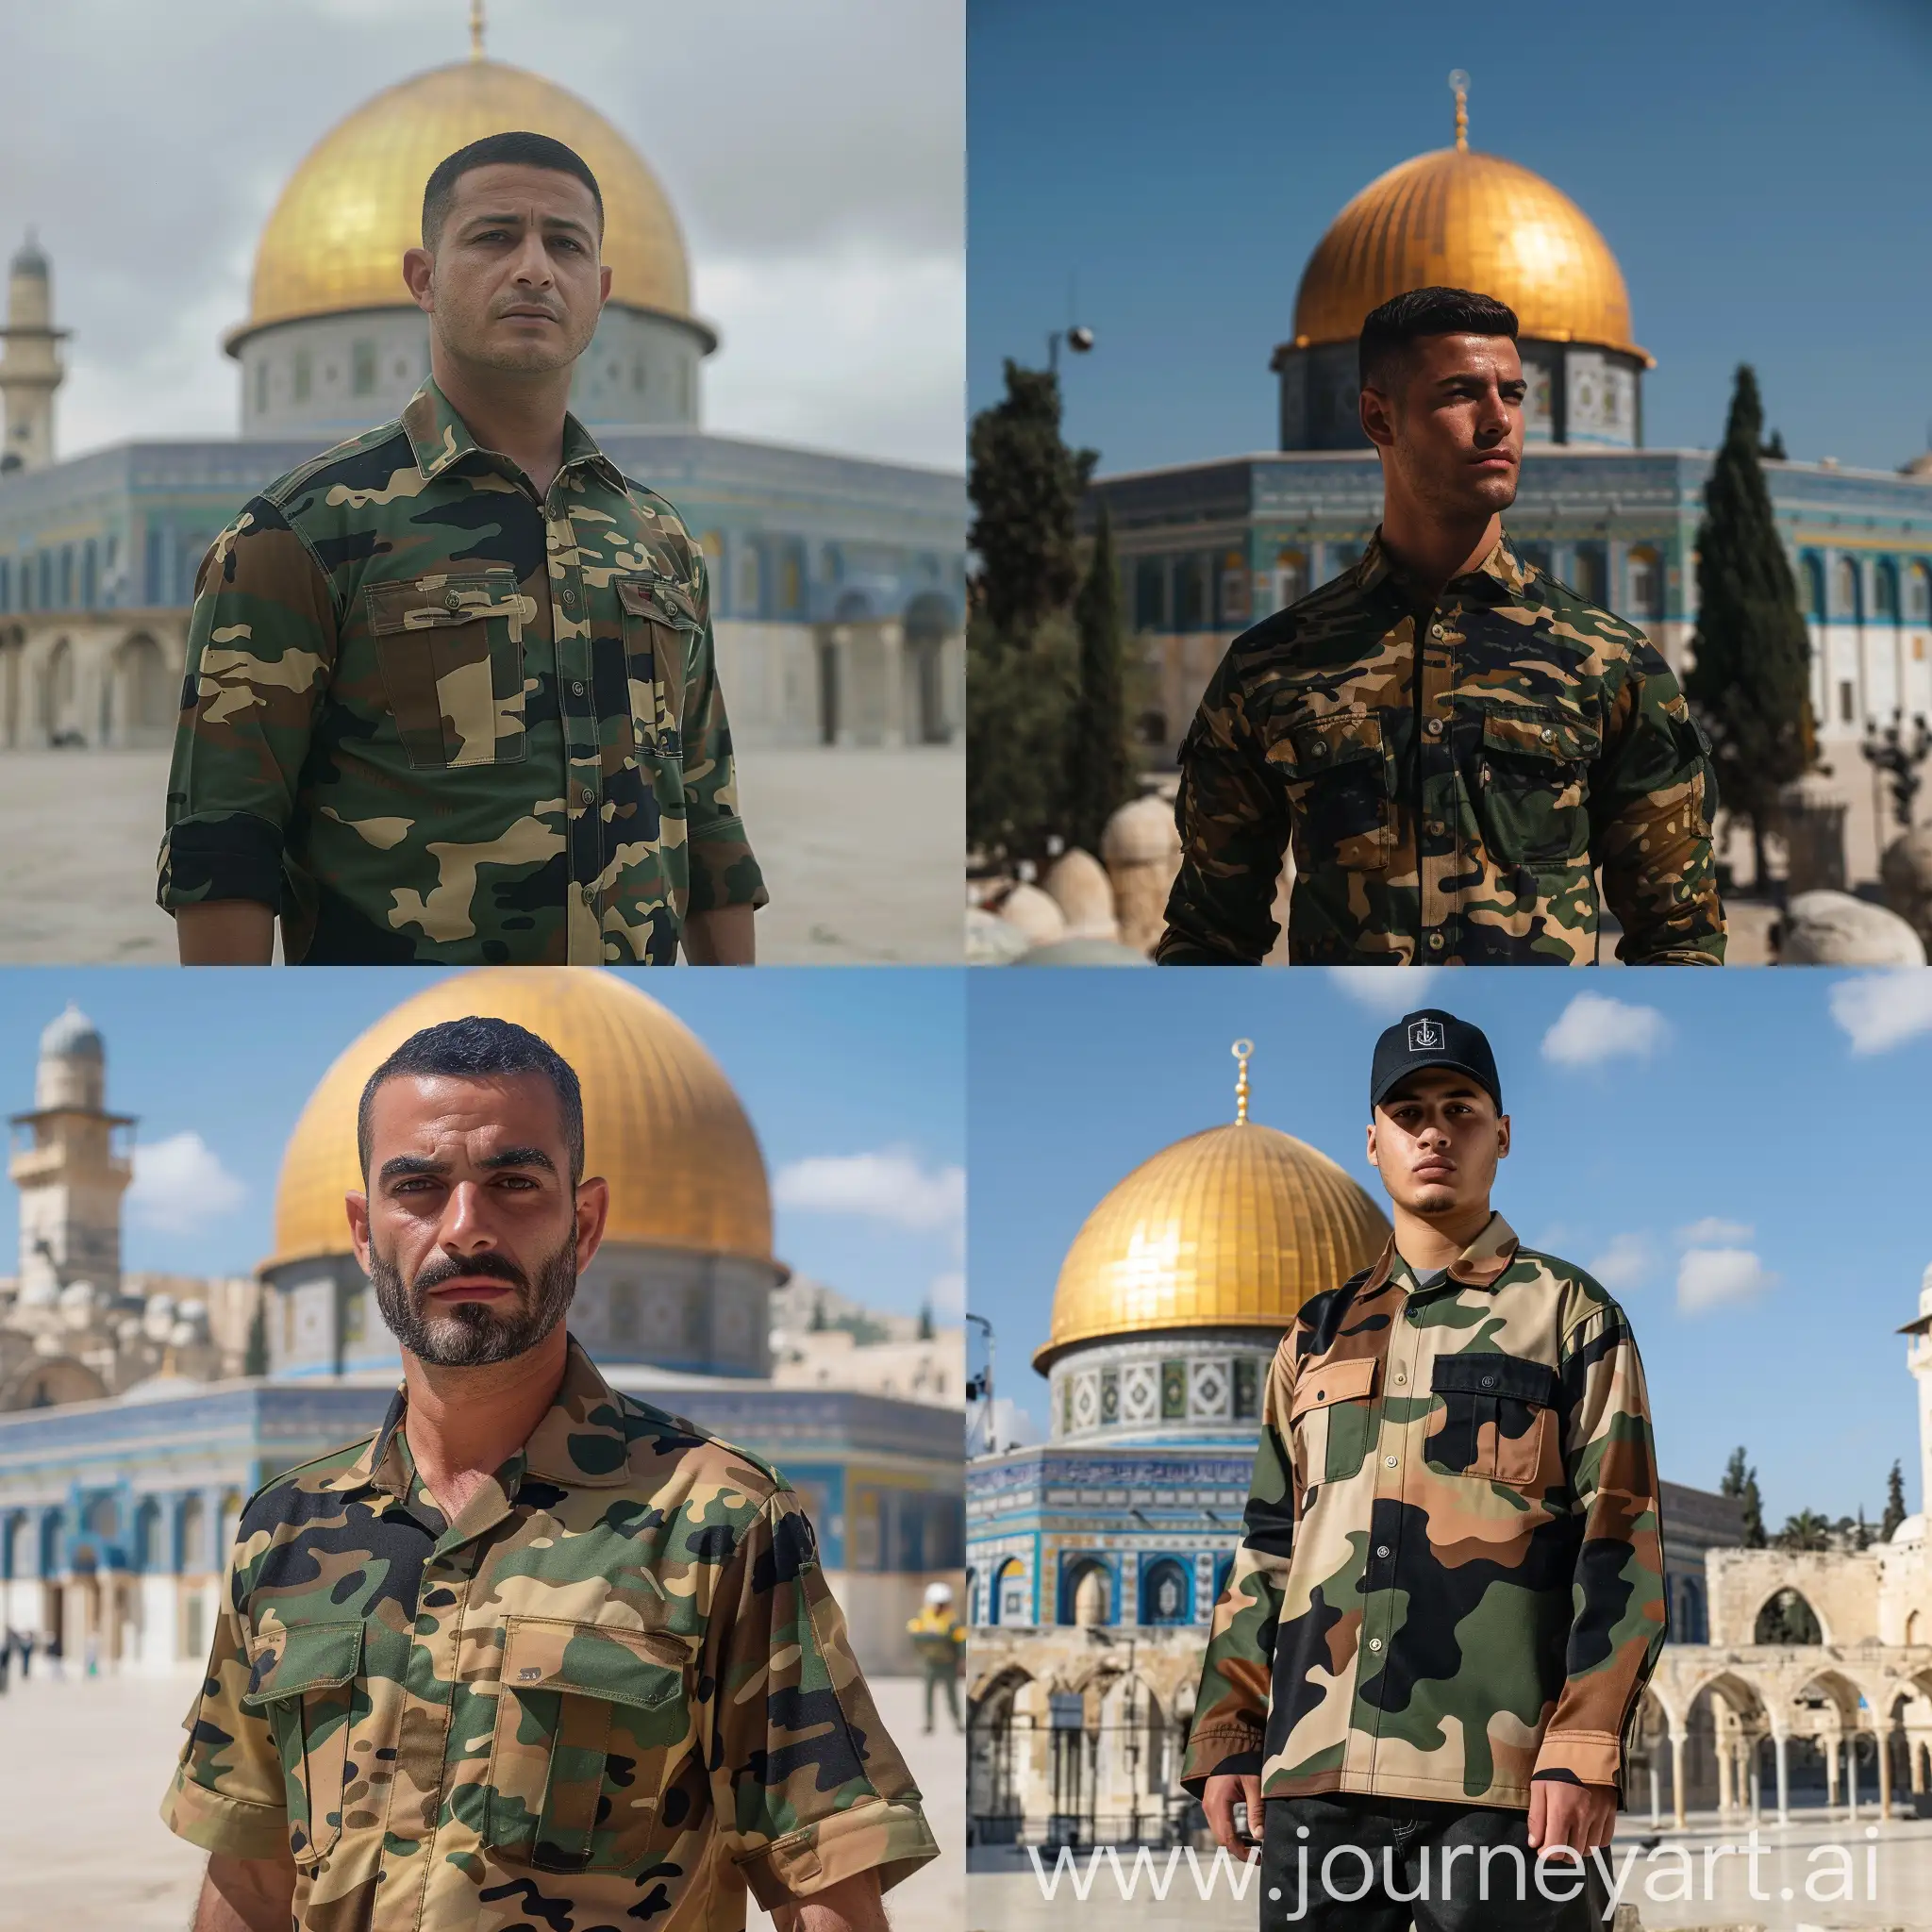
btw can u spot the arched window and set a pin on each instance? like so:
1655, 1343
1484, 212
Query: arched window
1646, 583
1087, 1598
89, 574
1918, 597
53, 1543
148, 1535
1785, 1617
1009, 1603
1814, 585
1150, 594
190, 1537
1844, 589
1885, 590
1166, 1593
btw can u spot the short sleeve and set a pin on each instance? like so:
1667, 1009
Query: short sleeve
228, 1794
807, 1787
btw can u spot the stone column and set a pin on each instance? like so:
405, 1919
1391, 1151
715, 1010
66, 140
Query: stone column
1882, 1736
1914, 1763
1724, 1774
1829, 1743
1784, 1787
1677, 1778
1852, 1775
1655, 1791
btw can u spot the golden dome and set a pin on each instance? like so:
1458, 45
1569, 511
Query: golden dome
1463, 219
1233, 1228
661, 1122
336, 238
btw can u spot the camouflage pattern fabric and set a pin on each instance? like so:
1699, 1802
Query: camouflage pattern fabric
1453, 816
1451, 1579
614, 1692
430, 719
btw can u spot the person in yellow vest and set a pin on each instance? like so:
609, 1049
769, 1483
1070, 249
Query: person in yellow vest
940, 1638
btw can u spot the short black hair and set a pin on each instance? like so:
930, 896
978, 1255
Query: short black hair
480, 1048
521, 149
1390, 332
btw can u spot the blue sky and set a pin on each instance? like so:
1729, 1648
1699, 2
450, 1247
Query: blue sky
830, 1066
1739, 1156
1759, 170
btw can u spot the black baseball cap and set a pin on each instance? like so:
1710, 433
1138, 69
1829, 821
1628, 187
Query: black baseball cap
1432, 1038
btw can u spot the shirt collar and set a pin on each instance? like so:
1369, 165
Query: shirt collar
439, 437
1481, 1264
1507, 575
581, 1440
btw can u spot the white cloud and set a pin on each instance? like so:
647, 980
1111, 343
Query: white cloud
1625, 1263
891, 1186
1715, 1231
180, 1184
946, 1297
1720, 1278
1594, 1028
1398, 991
1013, 1426
1877, 1011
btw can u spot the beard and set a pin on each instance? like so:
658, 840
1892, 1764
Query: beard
472, 1335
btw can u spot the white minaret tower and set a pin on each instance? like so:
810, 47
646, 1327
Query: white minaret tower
1919, 1360
70, 1176
31, 369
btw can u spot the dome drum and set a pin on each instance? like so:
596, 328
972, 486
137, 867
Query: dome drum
1200, 1384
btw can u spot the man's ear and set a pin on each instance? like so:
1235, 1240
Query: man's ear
1503, 1137
1373, 1160
1376, 413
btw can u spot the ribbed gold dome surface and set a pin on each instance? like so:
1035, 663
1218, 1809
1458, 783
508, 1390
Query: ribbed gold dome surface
336, 238
1233, 1228
661, 1122
1463, 219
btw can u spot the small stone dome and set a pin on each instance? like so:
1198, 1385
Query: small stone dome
73, 1036
1142, 833
1036, 915
1079, 885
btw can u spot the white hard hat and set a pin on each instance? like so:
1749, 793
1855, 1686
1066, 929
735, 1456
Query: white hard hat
939, 1593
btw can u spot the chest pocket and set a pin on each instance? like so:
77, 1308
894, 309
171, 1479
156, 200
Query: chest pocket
304, 1681
1338, 785
660, 636
1332, 1419
1498, 1421
591, 1722
451, 651
1532, 790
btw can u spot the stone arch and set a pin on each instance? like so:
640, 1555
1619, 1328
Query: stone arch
929, 623
999, 1736
59, 694
1847, 600
1087, 1593
141, 695
1885, 590
13, 685
147, 1551
45, 1381
1825, 1731
854, 607
1785, 1616
1715, 1750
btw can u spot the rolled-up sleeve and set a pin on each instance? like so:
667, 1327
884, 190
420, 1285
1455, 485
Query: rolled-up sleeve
261, 647
808, 1789
722, 870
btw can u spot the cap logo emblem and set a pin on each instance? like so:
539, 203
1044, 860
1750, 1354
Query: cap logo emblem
1425, 1035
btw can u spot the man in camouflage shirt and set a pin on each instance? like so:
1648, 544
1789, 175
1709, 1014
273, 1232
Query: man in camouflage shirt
1449, 1596
1454, 743
537, 1654
451, 689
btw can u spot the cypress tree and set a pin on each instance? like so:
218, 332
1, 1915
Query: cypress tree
1741, 1483
1099, 756
1894, 1505
1750, 680
255, 1360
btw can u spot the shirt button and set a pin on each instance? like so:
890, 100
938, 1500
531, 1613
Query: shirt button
569, 600
1435, 943
1375, 1643
1546, 734
1489, 1381
1401, 1376
1390, 1460
583, 794
1434, 727
1382, 1549
1434, 630
451, 600
576, 689
584, 894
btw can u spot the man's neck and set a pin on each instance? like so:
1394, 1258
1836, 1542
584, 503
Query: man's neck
1426, 553
463, 1424
1427, 1243
518, 416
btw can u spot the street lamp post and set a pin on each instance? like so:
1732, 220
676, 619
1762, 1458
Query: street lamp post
981, 1385
1078, 338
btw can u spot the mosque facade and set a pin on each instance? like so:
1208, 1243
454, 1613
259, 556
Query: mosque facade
1094, 1558
838, 583
131, 1436
1209, 548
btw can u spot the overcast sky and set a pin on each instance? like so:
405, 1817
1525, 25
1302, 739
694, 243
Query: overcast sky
815, 155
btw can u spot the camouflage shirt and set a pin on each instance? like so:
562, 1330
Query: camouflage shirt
1451, 811
431, 719
614, 1692
1451, 1579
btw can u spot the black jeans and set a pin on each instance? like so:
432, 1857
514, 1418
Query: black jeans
1385, 1867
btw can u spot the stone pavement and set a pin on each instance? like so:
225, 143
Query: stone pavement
862, 852
83, 1765
1798, 1879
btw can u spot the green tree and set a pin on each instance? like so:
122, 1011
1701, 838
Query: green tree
1750, 680
1100, 760
1894, 1505
925, 1321
818, 1315
1019, 692
255, 1360
1741, 1483
1806, 1530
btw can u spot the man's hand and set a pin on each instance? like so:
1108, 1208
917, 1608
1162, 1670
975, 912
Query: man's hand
226, 932
721, 938
851, 1905
246, 1894
1218, 1800
1581, 1816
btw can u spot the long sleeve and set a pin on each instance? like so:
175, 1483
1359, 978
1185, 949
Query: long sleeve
1618, 1623
722, 870
1654, 803
1233, 822
1231, 1707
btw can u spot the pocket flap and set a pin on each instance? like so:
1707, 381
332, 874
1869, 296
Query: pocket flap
293, 1659
1348, 1380
1479, 1373
1341, 738
428, 603
640, 1668
1542, 733
657, 599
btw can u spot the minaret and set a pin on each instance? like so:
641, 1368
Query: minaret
1919, 1360
71, 1178
31, 369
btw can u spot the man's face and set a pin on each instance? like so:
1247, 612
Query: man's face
1454, 430
1435, 1140
515, 283
471, 1232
